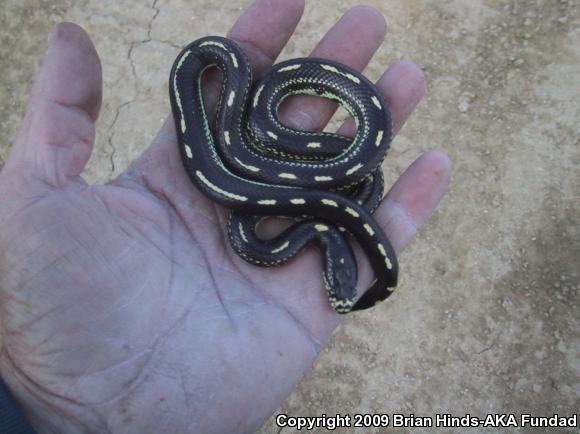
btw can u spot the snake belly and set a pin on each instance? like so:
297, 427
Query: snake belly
251, 163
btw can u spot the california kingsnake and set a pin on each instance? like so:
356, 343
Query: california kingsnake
251, 163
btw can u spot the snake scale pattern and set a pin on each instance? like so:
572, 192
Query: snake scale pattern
251, 163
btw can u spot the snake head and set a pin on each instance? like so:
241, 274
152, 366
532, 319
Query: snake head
340, 278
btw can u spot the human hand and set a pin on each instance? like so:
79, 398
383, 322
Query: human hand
123, 307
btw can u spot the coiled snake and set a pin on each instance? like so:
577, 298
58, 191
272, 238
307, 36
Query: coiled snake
251, 163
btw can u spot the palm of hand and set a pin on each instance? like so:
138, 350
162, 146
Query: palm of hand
123, 307
120, 290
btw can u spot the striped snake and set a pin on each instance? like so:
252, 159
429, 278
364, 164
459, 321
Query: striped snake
251, 163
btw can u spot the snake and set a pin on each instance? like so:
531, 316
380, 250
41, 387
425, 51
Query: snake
245, 159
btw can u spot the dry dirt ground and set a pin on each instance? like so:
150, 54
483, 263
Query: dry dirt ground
486, 316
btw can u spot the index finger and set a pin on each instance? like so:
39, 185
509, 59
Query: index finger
262, 31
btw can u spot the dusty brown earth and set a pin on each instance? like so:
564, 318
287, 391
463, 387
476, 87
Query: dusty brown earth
486, 316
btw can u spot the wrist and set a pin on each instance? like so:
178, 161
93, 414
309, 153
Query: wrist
29, 408
12, 418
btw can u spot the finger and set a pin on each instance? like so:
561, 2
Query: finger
414, 197
262, 30
409, 204
57, 134
403, 86
352, 41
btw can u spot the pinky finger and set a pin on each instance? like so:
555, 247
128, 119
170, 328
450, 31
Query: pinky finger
414, 197
409, 204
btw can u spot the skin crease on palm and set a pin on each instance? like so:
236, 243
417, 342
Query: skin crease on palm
123, 307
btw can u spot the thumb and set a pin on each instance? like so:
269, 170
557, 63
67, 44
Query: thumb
57, 134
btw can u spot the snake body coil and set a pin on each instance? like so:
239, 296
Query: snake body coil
254, 165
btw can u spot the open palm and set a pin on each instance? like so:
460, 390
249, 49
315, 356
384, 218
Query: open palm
123, 308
